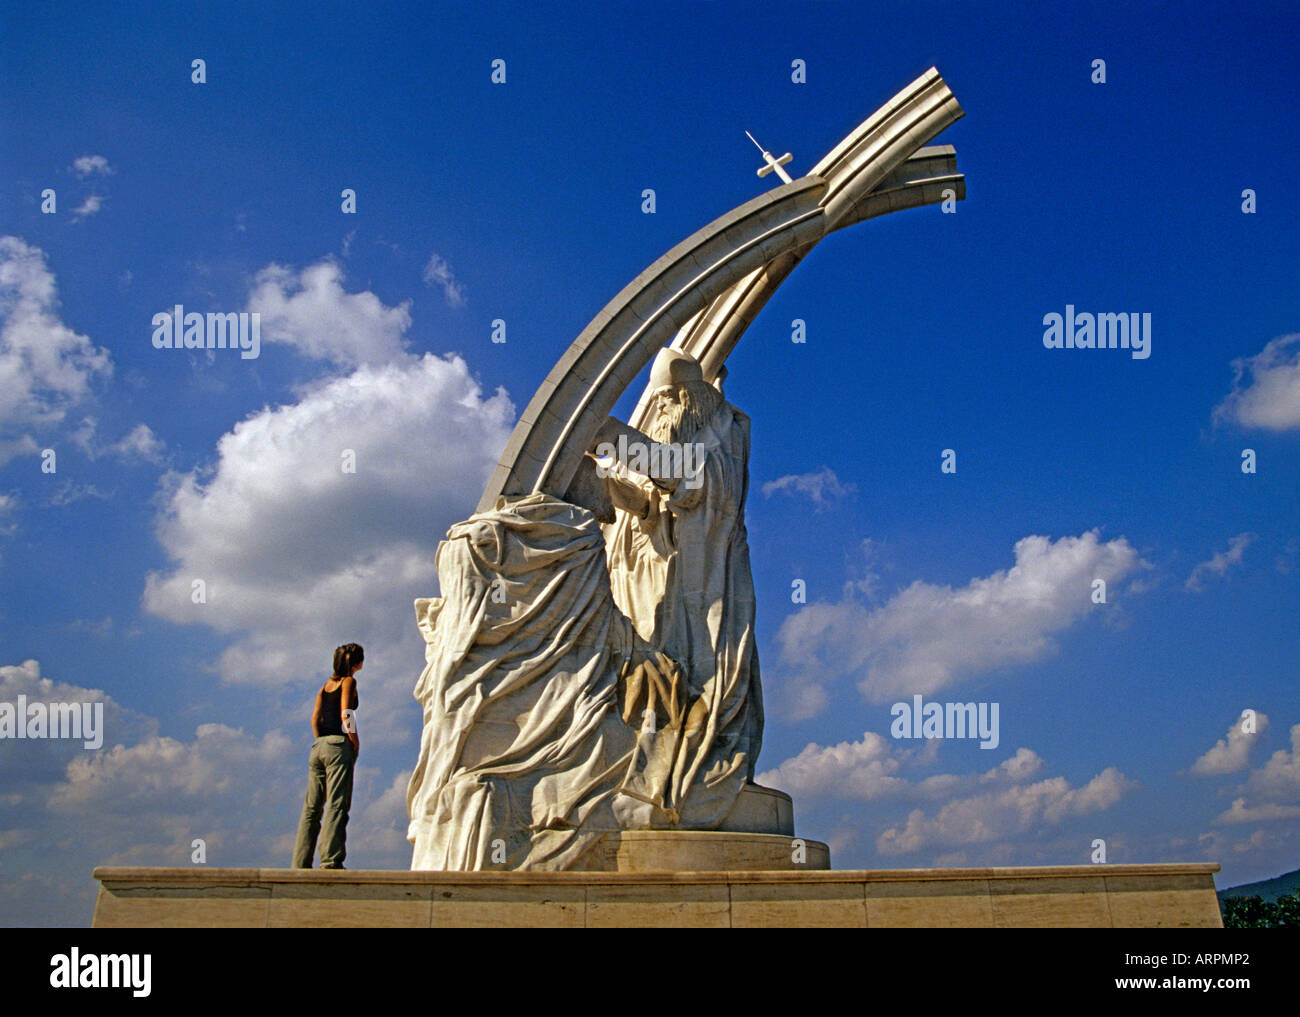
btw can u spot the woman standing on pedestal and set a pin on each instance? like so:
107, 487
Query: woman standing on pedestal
333, 756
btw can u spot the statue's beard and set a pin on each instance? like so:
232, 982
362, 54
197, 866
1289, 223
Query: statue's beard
679, 422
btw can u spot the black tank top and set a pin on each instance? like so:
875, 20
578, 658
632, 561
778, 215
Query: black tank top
331, 723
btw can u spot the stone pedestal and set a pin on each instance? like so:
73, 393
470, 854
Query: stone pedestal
757, 836
1102, 896
760, 809
703, 851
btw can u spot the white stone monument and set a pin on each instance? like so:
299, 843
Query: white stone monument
591, 697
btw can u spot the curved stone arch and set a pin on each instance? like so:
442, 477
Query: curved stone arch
774, 229
713, 333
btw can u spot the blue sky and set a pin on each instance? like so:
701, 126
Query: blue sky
522, 202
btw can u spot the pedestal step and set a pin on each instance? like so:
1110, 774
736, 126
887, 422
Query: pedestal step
1127, 896
703, 851
761, 809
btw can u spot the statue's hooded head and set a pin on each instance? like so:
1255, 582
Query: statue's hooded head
684, 401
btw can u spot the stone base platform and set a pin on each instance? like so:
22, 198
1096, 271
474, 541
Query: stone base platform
702, 851
760, 809
1106, 896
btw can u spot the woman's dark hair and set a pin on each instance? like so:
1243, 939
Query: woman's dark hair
347, 658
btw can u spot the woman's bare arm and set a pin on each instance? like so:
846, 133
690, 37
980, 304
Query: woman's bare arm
348, 701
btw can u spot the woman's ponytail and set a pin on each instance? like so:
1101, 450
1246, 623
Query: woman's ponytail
347, 658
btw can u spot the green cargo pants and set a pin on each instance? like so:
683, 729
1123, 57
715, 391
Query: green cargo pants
329, 790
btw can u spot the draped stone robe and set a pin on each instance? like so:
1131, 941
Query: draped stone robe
682, 574
543, 709
563, 698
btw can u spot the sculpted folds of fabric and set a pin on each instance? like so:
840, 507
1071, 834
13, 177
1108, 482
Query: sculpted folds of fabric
545, 714
550, 715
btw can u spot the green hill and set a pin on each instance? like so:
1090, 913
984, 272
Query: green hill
1267, 889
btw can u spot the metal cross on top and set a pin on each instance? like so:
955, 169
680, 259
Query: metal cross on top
773, 163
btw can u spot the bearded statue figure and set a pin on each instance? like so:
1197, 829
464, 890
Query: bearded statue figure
583, 681
678, 556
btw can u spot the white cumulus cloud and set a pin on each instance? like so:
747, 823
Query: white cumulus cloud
1231, 752
218, 759
866, 769
319, 521
994, 805
996, 815
25, 765
145, 798
1279, 778
311, 311
1271, 792
45, 366
1270, 400
928, 637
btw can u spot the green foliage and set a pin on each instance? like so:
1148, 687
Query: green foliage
1288, 910
1257, 913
